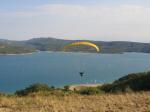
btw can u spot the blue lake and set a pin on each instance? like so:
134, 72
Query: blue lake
59, 69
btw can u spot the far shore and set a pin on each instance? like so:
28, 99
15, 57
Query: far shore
19, 53
37, 51
82, 86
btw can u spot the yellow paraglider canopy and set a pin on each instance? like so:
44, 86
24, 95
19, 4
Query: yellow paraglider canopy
82, 43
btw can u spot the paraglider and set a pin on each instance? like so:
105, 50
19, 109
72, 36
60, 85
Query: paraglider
81, 43
84, 43
81, 74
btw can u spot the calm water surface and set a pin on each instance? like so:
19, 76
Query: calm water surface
59, 69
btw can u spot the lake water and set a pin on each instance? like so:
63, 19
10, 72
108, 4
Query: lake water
59, 69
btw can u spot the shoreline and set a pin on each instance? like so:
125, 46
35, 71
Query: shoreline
17, 54
82, 86
64, 53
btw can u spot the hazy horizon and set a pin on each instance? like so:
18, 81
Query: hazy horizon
100, 20
73, 39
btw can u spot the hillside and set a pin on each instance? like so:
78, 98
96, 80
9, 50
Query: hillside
53, 44
129, 102
105, 98
131, 82
107, 47
14, 47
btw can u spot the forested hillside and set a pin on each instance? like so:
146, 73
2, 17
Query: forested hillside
53, 44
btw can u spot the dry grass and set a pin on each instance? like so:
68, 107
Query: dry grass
129, 102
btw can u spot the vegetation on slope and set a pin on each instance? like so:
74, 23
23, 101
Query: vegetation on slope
129, 102
14, 49
41, 98
34, 88
131, 82
52, 44
107, 47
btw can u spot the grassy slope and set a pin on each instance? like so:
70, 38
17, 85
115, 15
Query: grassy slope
129, 102
42, 98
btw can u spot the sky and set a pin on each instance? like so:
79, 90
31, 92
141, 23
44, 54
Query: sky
105, 20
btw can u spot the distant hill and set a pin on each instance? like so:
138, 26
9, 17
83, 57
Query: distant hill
14, 47
47, 44
53, 44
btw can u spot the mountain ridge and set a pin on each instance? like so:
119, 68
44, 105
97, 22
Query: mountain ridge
54, 44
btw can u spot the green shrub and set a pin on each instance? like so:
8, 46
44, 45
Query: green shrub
3, 94
66, 88
90, 91
34, 88
131, 82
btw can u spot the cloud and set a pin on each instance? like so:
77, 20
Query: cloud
124, 22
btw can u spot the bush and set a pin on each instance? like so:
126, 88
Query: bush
90, 91
3, 94
131, 82
34, 88
66, 88
107, 87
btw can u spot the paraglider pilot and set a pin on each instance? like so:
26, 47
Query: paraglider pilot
81, 74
